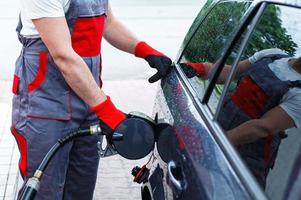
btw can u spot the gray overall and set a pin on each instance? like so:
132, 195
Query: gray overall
45, 108
264, 93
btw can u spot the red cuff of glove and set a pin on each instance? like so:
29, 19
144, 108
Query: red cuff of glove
108, 113
199, 68
142, 50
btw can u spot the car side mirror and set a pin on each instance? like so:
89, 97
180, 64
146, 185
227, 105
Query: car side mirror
134, 138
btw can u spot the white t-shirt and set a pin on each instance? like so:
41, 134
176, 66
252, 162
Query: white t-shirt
291, 101
35, 9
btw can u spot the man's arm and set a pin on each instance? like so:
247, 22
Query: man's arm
205, 70
242, 66
55, 34
118, 35
272, 122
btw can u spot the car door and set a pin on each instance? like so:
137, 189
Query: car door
195, 166
270, 25
202, 163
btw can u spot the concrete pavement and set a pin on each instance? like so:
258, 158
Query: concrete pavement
9, 154
163, 24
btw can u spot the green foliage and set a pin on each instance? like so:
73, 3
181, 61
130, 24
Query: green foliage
215, 32
205, 9
221, 24
270, 33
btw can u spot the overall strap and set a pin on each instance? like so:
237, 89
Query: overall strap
20, 25
18, 30
294, 84
274, 57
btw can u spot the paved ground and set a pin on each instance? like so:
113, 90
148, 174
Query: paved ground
162, 23
114, 177
9, 154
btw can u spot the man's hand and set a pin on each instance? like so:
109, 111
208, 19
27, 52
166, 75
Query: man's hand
129, 43
110, 117
194, 69
155, 59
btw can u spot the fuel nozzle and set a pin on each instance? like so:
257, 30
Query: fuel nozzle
140, 174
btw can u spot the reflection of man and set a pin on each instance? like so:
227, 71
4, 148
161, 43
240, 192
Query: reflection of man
265, 102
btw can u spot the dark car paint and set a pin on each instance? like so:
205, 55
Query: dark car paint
206, 170
201, 155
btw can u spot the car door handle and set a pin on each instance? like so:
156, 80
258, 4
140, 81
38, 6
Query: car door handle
175, 176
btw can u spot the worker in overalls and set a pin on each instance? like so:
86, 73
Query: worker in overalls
57, 87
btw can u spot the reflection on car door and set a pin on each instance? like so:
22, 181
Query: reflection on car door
197, 168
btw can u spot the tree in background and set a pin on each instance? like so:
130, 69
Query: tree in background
221, 24
270, 33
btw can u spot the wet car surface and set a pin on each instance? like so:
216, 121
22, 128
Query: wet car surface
193, 157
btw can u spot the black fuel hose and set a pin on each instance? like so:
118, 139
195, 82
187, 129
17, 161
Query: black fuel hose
33, 184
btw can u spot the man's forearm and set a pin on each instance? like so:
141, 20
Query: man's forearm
80, 79
56, 35
118, 35
248, 132
242, 66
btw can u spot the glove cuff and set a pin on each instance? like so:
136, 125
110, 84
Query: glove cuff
252, 59
108, 113
199, 68
142, 50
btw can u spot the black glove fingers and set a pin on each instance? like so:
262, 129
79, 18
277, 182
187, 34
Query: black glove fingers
106, 131
189, 71
162, 64
155, 78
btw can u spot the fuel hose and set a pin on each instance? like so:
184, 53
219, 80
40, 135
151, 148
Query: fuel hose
33, 184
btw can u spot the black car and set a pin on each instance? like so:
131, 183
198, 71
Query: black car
193, 157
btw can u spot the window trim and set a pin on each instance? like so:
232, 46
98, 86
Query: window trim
183, 48
234, 68
227, 53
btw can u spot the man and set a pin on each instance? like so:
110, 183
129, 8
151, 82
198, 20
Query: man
57, 87
265, 102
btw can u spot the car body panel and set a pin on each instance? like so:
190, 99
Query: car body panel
213, 176
201, 149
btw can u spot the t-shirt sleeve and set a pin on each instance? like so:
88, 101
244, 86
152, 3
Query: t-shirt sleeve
292, 106
36, 9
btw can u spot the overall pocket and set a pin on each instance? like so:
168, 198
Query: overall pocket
22, 145
18, 91
48, 93
16, 82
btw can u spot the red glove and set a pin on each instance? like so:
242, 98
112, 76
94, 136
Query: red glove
155, 59
199, 68
108, 113
193, 69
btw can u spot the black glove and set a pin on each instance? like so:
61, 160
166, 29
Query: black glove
155, 59
161, 63
188, 70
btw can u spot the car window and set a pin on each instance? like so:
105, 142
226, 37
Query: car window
209, 42
261, 110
